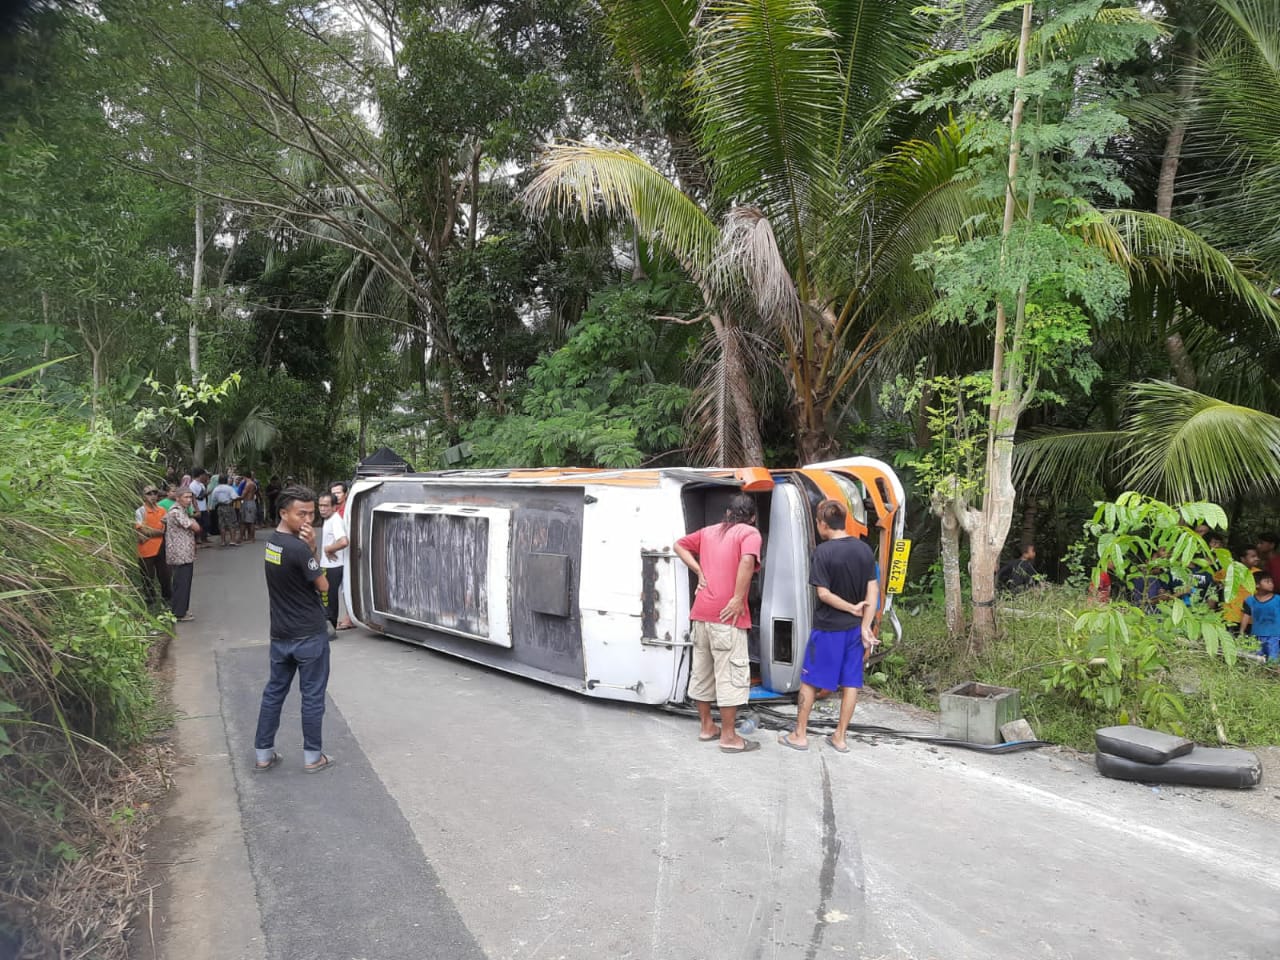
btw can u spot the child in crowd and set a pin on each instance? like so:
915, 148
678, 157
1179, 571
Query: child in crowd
1233, 609
1262, 612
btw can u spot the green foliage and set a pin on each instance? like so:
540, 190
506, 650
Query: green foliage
75, 636
1118, 656
1232, 703
952, 466
607, 397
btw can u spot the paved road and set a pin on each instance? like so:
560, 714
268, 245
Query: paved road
478, 815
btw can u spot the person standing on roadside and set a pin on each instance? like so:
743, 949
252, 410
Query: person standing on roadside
199, 492
222, 499
248, 508
724, 556
148, 521
843, 570
339, 490
180, 532
333, 557
299, 632
272, 492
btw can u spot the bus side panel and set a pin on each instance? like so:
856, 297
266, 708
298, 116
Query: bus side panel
545, 545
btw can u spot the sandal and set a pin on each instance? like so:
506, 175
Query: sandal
785, 740
324, 763
707, 738
747, 747
264, 767
835, 746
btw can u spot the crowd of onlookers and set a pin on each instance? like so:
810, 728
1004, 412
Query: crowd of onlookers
1254, 613
182, 514
1249, 612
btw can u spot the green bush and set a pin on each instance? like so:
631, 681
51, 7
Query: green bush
74, 634
1235, 703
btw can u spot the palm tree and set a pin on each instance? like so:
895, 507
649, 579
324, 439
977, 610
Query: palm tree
1239, 125
807, 235
1174, 443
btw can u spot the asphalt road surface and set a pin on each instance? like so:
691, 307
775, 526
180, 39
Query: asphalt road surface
477, 815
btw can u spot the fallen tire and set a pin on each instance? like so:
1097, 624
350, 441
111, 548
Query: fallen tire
1202, 767
1141, 744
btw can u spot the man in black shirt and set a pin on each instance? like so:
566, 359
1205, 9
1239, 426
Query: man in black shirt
843, 570
299, 631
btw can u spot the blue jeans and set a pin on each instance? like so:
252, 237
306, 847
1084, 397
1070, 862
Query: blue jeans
309, 659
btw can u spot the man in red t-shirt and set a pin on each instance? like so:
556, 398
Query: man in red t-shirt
1269, 555
724, 556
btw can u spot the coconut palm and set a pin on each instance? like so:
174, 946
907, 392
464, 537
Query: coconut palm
1174, 443
813, 252
1239, 128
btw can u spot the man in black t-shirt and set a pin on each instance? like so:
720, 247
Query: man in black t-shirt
843, 570
299, 631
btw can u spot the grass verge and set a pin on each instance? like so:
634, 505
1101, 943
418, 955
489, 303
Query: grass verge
77, 775
1233, 704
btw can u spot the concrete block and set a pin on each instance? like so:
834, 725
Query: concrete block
1017, 730
975, 712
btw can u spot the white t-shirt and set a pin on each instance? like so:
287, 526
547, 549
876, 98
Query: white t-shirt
197, 491
222, 493
335, 529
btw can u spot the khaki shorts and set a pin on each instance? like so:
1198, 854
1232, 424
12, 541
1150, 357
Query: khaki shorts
721, 672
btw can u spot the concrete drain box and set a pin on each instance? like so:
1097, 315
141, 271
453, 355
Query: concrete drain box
974, 712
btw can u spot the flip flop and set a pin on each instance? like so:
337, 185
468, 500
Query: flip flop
346, 626
747, 747
264, 767
783, 738
835, 746
324, 763
705, 738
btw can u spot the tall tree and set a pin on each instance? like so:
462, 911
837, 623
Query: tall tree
1041, 112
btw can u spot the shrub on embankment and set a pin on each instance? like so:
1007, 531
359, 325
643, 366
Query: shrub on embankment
75, 691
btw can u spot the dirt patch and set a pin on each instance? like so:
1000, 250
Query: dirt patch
86, 905
91, 904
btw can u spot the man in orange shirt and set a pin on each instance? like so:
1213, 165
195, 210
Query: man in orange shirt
148, 521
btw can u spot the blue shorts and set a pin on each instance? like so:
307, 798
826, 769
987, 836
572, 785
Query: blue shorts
834, 659
1270, 647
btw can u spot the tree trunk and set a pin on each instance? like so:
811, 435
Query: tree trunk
1030, 512
1184, 371
988, 531
96, 355
739, 386
1177, 134
948, 511
197, 294
474, 220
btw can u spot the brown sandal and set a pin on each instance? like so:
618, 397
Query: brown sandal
324, 763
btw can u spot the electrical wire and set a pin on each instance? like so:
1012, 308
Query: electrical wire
767, 718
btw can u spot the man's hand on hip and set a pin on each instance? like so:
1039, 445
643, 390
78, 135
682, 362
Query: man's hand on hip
733, 610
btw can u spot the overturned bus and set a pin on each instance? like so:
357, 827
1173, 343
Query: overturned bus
568, 576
